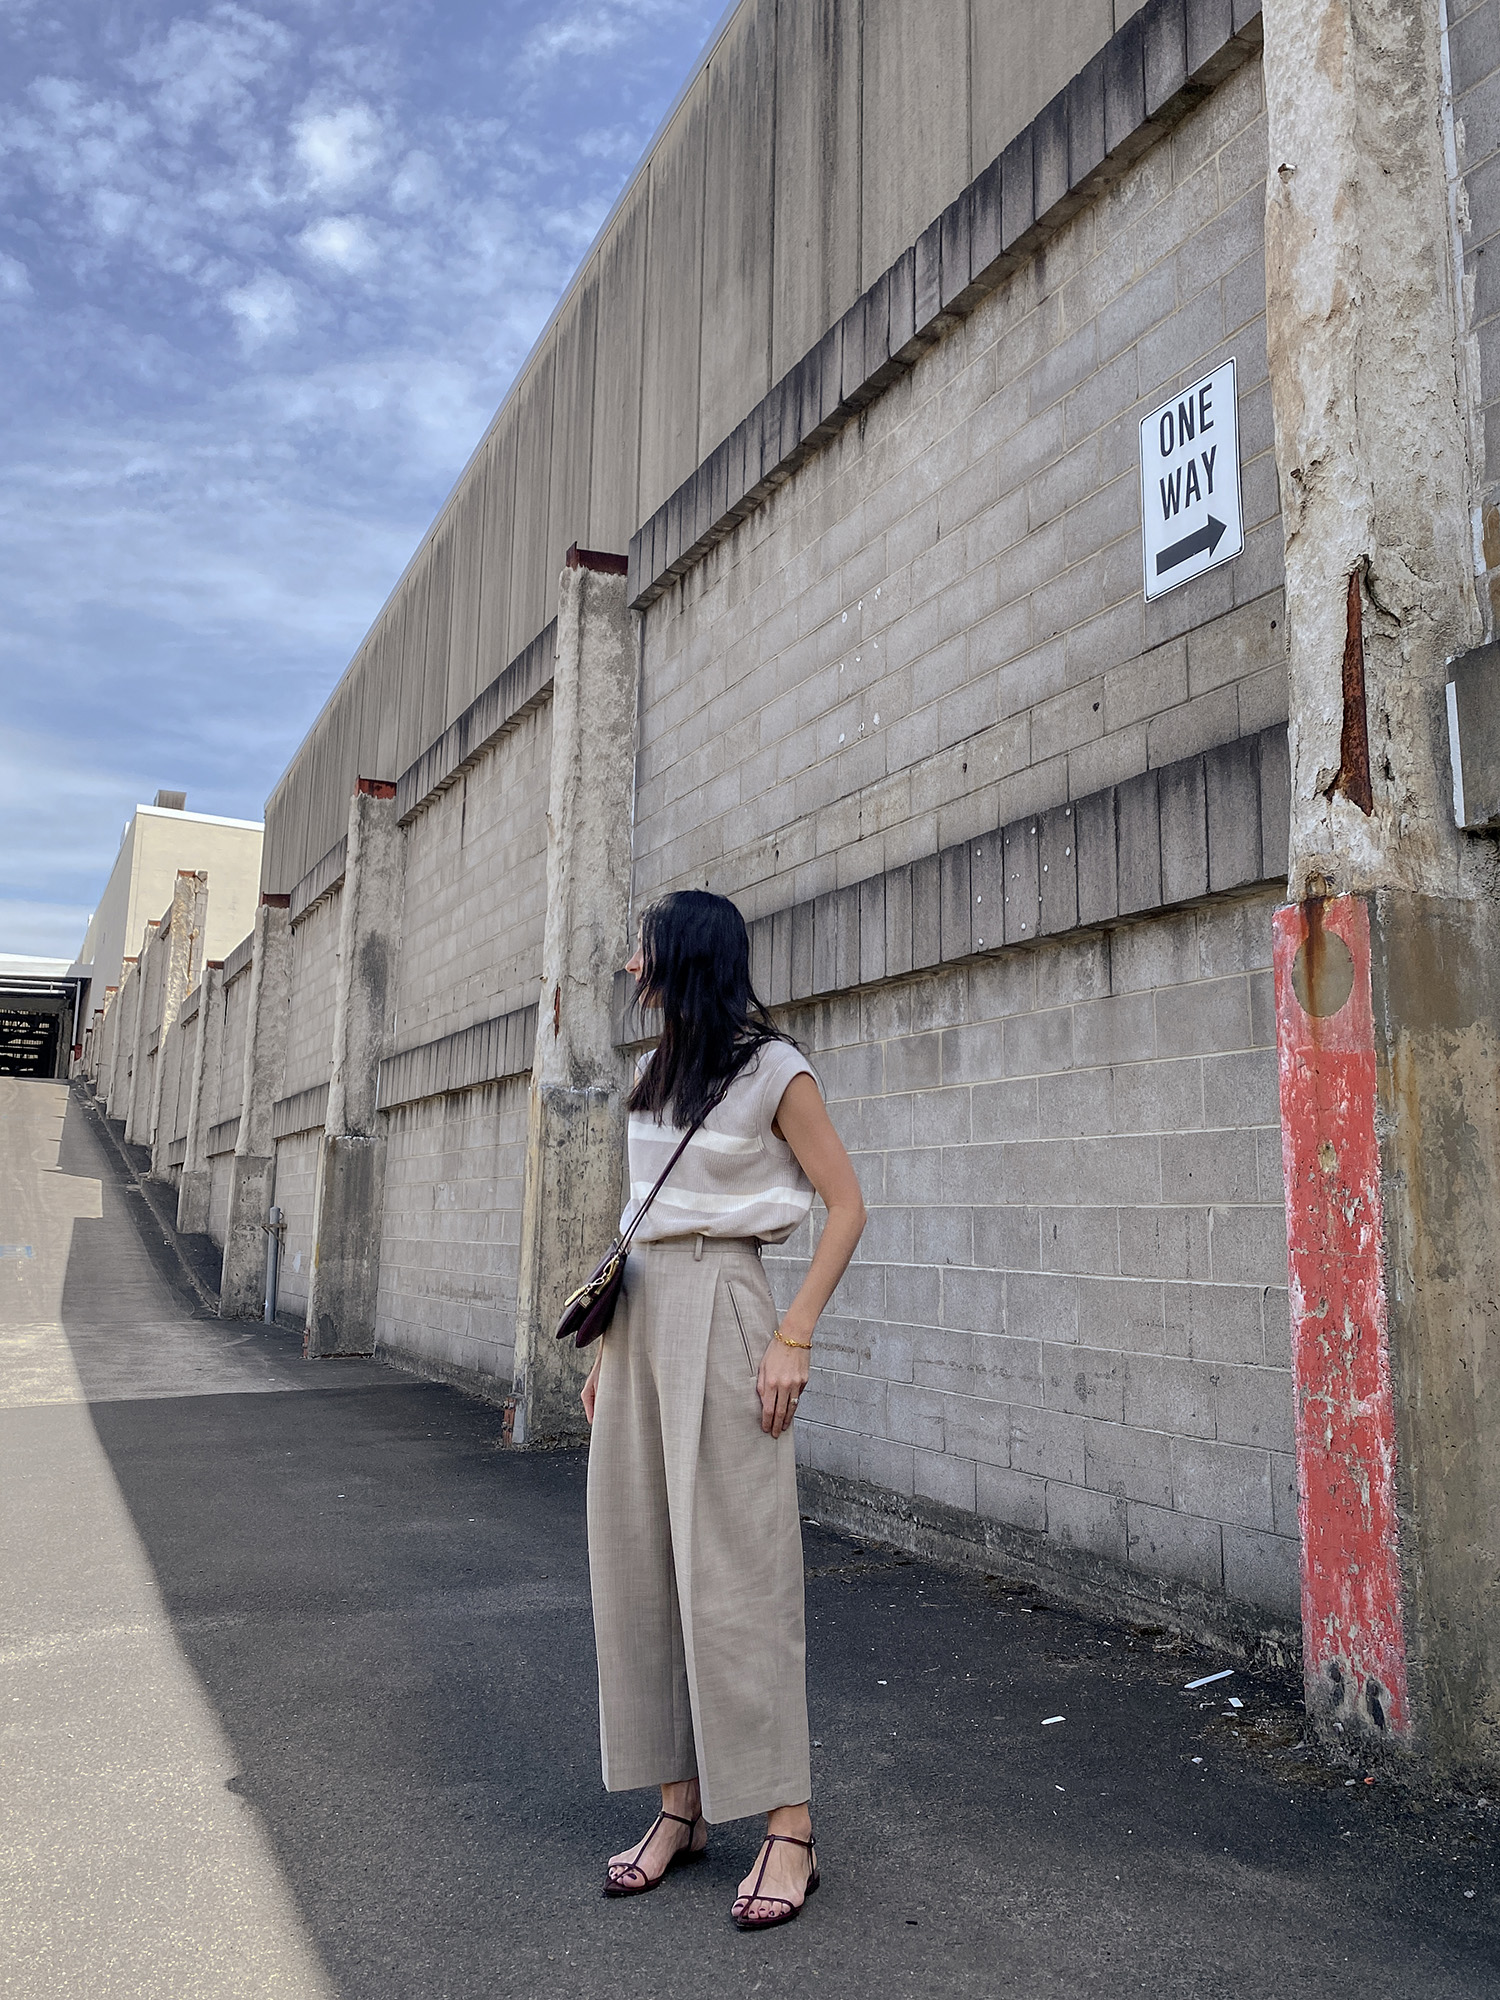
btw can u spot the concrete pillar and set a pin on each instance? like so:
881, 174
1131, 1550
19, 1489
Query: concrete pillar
253, 1171
576, 1128
350, 1197
1387, 956
117, 1002
137, 1099
183, 945
196, 1186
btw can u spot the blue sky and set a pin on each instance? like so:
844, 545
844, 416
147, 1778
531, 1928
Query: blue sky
265, 274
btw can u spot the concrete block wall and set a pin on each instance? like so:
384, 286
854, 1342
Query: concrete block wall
225, 1085
229, 1082
177, 1082
1069, 1311
138, 1131
112, 1060
296, 1186
118, 1059
219, 1169
314, 983
102, 1044
810, 145
1068, 1317
936, 623
150, 976
450, 1246
476, 890
308, 1058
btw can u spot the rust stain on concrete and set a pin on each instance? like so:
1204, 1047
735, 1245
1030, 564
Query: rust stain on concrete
1354, 1649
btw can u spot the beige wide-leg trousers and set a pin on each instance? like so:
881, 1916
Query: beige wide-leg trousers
695, 1543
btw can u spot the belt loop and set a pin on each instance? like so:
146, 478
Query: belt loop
698, 1248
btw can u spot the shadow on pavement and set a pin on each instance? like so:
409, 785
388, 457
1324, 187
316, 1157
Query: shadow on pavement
389, 1613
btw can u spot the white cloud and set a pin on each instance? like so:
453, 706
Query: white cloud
207, 70
587, 32
338, 150
263, 309
417, 184
342, 241
291, 256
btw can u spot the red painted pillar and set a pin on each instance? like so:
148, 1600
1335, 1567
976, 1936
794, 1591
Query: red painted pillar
1354, 1651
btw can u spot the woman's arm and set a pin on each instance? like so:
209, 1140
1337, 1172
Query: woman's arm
802, 1120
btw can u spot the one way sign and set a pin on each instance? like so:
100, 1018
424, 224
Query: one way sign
1191, 519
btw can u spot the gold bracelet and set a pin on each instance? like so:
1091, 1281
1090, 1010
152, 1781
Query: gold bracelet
804, 1345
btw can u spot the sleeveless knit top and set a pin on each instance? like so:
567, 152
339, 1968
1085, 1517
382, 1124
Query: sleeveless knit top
736, 1178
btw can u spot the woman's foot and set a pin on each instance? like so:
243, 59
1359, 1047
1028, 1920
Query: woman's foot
784, 1875
678, 1834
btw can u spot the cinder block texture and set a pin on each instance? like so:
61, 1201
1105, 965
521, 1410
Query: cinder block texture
295, 1192
450, 1244
1120, 99
226, 1084
314, 984
1075, 1269
476, 890
936, 625
322, 879
488, 1052
771, 233
220, 1170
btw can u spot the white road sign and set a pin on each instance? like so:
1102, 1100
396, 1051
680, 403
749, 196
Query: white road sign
1191, 519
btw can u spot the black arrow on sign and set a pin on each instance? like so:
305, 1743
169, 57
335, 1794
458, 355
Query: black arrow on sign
1207, 537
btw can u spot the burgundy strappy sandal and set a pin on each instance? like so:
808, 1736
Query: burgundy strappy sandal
789, 1909
678, 1858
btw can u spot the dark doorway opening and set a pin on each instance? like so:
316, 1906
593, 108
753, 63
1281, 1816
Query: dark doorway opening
28, 1040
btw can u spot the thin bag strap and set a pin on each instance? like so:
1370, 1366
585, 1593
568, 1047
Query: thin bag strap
677, 1155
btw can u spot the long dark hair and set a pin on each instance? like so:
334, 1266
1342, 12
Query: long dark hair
696, 968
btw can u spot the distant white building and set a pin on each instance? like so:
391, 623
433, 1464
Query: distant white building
157, 842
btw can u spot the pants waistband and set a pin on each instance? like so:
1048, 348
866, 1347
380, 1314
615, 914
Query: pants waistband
696, 1244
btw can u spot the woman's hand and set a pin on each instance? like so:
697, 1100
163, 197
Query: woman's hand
780, 1380
591, 1387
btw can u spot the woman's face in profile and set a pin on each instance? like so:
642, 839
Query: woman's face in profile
635, 965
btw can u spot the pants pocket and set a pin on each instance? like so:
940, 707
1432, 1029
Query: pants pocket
739, 1320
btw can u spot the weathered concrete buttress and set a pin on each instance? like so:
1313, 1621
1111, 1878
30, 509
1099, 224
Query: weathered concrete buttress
351, 1155
184, 960
1388, 1028
137, 1106
194, 1190
252, 1175
576, 1123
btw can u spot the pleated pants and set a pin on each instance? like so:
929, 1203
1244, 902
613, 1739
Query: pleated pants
695, 1542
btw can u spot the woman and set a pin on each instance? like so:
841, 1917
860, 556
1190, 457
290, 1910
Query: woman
695, 1541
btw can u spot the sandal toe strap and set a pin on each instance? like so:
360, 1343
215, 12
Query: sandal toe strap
755, 1895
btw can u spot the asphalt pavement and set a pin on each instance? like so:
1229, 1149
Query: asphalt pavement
298, 1699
